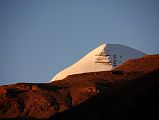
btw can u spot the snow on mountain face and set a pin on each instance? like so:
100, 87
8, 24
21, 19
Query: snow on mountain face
103, 58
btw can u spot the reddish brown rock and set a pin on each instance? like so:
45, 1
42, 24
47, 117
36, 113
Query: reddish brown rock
3, 91
35, 88
46, 100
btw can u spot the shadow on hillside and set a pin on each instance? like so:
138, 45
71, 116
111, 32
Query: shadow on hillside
50, 87
134, 100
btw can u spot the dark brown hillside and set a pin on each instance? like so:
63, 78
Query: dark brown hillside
124, 93
145, 64
131, 100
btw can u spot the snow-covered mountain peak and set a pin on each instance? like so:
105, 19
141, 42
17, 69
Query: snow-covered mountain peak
97, 50
103, 58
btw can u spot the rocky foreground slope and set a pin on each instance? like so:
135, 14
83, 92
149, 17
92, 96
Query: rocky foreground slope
128, 92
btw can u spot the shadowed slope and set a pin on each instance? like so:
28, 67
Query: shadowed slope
132, 100
145, 64
119, 94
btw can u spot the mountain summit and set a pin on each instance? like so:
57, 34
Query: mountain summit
103, 58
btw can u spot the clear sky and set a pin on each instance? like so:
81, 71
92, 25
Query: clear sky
38, 38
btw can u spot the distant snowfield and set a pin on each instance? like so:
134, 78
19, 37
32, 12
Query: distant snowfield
103, 58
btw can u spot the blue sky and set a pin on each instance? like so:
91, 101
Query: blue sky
38, 38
